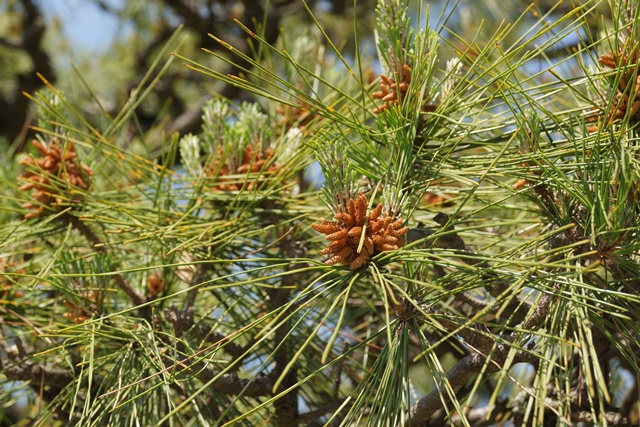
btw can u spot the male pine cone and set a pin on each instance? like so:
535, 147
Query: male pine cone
47, 176
352, 227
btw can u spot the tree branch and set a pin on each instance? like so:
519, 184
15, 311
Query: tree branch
484, 416
496, 286
457, 377
229, 384
15, 107
313, 415
190, 120
86, 231
183, 322
286, 407
18, 365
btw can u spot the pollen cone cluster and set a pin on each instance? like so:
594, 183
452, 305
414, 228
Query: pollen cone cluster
251, 162
627, 98
8, 280
155, 284
79, 314
350, 228
392, 92
290, 116
48, 173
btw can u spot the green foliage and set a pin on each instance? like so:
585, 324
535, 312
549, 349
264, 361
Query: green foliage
504, 288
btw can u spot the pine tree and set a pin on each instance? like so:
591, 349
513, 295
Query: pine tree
468, 256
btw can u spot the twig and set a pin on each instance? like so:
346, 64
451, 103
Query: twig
630, 399
457, 377
15, 107
229, 384
313, 415
10, 43
190, 120
475, 335
193, 291
496, 287
485, 416
182, 322
99, 246
286, 407
18, 366
539, 312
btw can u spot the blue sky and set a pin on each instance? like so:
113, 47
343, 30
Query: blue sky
85, 25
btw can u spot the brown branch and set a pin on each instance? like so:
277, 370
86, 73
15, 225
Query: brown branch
190, 16
15, 106
457, 377
538, 314
182, 322
470, 365
190, 120
314, 414
286, 407
17, 365
229, 384
28, 370
86, 231
484, 416
530, 316
10, 43
193, 291
496, 286
630, 399
475, 335
612, 418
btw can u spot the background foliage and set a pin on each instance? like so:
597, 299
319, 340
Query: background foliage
468, 256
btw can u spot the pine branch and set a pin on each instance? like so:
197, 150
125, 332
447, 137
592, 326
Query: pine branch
98, 245
458, 376
484, 416
18, 365
314, 415
183, 321
15, 120
286, 407
482, 343
229, 384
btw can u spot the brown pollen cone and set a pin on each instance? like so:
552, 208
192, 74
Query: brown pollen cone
41, 173
627, 99
79, 314
155, 284
7, 281
251, 162
377, 234
392, 92
290, 115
